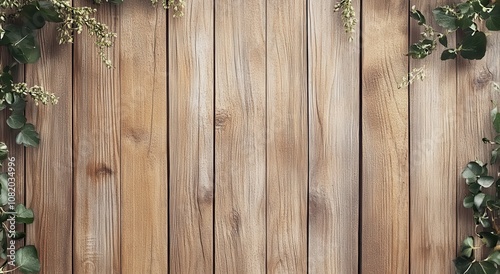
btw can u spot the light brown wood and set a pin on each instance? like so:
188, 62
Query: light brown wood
191, 139
384, 118
334, 106
49, 169
240, 135
287, 155
96, 150
433, 167
143, 74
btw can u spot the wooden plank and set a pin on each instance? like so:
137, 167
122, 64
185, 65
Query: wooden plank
49, 171
433, 161
240, 131
96, 150
287, 155
385, 170
191, 134
474, 96
333, 142
143, 74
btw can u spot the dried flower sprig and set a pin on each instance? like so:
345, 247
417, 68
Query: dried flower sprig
348, 16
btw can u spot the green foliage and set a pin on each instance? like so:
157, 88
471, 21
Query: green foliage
463, 18
484, 201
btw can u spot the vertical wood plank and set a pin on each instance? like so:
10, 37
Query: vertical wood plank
287, 151
143, 74
334, 106
49, 172
96, 150
474, 96
385, 170
240, 148
433, 161
191, 138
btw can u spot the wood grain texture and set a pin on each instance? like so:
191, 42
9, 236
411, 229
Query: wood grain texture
191, 139
240, 135
333, 142
96, 150
49, 172
433, 161
287, 155
474, 94
143, 109
385, 170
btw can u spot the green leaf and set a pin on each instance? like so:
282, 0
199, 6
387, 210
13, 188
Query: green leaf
474, 46
27, 259
447, 21
443, 40
472, 170
494, 257
479, 199
24, 215
417, 15
462, 264
495, 118
474, 188
493, 22
485, 181
487, 267
469, 201
16, 121
28, 136
4, 186
18, 235
49, 12
467, 247
18, 104
448, 54
488, 238
32, 16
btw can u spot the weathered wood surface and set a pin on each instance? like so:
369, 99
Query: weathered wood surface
333, 142
385, 183
433, 162
251, 137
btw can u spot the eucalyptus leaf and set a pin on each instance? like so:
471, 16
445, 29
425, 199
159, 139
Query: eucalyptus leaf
486, 181
469, 201
479, 199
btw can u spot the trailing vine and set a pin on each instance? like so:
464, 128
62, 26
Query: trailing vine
470, 19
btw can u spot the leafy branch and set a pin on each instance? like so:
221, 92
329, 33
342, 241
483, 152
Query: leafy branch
463, 18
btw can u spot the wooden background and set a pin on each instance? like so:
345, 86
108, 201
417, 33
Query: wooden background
252, 137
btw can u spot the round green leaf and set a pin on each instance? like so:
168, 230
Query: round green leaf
24, 215
474, 46
469, 201
485, 181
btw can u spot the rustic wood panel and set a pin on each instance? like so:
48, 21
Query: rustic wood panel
191, 139
49, 172
96, 150
240, 136
433, 161
287, 146
385, 171
333, 142
144, 207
